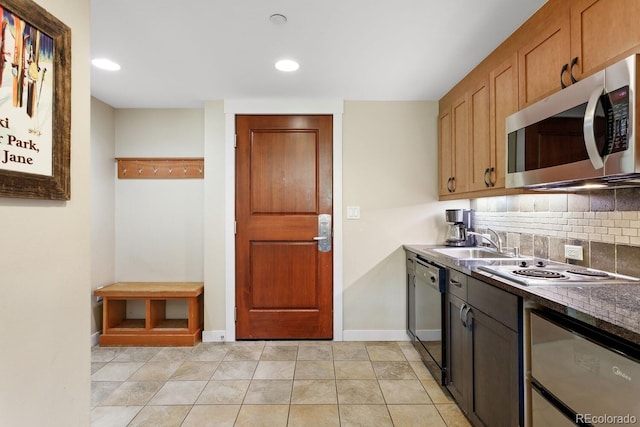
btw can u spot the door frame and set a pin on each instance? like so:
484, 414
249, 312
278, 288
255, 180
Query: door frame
232, 108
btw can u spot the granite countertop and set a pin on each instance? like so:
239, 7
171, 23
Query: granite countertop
612, 308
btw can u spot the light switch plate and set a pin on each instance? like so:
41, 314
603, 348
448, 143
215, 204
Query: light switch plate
353, 212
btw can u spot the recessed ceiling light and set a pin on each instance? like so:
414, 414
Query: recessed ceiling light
287, 65
278, 19
105, 64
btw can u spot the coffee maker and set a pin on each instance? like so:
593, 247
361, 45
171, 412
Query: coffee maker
460, 221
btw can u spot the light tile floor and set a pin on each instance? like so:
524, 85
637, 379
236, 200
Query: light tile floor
267, 383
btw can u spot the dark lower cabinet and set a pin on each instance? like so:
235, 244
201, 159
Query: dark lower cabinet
484, 353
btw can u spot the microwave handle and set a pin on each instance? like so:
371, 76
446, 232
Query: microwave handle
589, 132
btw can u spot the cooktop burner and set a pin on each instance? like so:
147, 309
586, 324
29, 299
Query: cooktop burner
550, 273
590, 273
539, 274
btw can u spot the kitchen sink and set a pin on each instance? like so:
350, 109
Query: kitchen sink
472, 253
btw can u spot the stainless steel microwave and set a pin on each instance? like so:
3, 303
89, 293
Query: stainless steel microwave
581, 137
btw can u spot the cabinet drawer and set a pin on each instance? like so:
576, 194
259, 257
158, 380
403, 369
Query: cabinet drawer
498, 304
457, 284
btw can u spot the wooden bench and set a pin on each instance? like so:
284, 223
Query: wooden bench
155, 329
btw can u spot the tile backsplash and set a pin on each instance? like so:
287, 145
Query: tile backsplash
605, 223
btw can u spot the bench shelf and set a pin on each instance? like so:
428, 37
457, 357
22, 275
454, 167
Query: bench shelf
155, 329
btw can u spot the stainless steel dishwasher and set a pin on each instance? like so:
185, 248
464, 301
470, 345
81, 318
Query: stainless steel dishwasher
429, 289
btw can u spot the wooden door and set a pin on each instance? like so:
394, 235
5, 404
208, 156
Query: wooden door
603, 32
284, 287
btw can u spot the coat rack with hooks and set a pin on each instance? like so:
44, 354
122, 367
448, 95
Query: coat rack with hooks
160, 168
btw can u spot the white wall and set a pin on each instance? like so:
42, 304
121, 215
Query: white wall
215, 181
103, 173
159, 222
45, 274
390, 172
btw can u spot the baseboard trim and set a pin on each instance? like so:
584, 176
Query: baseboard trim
375, 335
95, 338
349, 335
213, 336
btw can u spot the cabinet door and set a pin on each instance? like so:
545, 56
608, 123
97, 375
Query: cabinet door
479, 137
445, 147
603, 31
495, 384
457, 351
503, 100
460, 152
541, 60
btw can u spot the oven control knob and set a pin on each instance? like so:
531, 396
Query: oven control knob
540, 264
523, 263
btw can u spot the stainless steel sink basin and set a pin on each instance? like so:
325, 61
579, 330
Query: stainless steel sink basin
472, 253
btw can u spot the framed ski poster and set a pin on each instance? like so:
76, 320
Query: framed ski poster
35, 110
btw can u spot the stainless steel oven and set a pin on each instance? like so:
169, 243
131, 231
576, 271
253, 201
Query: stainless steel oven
428, 303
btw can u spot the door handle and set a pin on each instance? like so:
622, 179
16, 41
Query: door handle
324, 233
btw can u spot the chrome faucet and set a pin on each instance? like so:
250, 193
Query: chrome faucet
496, 243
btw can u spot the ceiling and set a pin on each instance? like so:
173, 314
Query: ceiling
180, 54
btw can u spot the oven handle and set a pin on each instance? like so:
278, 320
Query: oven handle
589, 132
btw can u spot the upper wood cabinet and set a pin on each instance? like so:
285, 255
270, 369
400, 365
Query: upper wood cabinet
445, 152
603, 32
503, 101
453, 124
545, 59
581, 38
565, 41
480, 147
